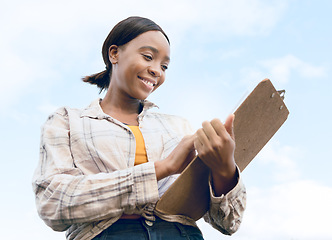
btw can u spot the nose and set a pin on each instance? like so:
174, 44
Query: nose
152, 70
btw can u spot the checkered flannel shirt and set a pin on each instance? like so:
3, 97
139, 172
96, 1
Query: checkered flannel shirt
86, 178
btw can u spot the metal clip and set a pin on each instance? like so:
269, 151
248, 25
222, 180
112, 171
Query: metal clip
282, 94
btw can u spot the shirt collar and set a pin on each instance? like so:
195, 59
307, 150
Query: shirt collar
94, 110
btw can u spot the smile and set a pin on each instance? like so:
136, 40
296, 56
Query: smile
147, 82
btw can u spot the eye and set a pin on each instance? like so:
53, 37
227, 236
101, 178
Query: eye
164, 67
147, 57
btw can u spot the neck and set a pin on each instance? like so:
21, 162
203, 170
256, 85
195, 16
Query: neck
121, 107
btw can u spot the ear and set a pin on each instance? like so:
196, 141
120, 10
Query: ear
113, 53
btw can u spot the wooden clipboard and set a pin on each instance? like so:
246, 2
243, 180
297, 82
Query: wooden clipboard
257, 119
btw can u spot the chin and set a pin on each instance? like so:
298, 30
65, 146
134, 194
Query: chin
143, 96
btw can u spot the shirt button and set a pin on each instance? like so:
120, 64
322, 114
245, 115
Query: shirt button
149, 223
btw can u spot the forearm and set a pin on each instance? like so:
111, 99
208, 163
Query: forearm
65, 199
225, 180
178, 159
226, 211
161, 170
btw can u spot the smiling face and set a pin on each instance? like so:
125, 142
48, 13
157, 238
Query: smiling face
138, 67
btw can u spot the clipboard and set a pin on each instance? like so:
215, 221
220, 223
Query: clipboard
257, 119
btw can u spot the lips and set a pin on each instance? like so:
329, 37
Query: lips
148, 82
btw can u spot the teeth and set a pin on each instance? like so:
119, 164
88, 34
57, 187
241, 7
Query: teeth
147, 82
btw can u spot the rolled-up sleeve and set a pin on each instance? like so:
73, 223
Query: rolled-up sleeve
64, 195
226, 212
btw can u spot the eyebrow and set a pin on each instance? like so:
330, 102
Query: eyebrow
153, 49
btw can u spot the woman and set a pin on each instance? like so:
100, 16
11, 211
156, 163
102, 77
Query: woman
103, 168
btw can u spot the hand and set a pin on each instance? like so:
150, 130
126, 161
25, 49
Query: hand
178, 159
215, 144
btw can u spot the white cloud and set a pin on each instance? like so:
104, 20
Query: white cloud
291, 206
32, 227
47, 108
283, 159
241, 17
19, 75
16, 75
229, 54
49, 28
282, 68
281, 71
219, 20
294, 210
251, 76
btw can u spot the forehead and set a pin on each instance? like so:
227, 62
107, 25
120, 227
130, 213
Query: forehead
153, 39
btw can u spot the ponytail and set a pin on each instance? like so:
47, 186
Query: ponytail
101, 79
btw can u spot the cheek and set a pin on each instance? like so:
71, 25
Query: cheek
130, 71
139, 66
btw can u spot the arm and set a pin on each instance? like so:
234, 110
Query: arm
178, 160
215, 145
65, 196
226, 211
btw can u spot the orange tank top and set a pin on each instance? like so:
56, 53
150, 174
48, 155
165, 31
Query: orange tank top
140, 154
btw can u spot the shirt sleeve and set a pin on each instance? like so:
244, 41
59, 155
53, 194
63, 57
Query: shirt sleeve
226, 211
65, 196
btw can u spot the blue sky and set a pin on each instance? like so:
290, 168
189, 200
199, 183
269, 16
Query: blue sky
219, 51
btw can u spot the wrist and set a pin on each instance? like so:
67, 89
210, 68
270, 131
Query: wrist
224, 181
225, 171
223, 177
162, 169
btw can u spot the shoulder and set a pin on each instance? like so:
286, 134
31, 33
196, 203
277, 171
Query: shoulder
61, 116
64, 112
93, 111
170, 121
167, 117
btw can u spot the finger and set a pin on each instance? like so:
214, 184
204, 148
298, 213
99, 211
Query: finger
201, 137
229, 125
218, 127
209, 131
198, 145
189, 141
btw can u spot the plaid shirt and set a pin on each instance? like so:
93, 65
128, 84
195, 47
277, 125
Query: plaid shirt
86, 178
